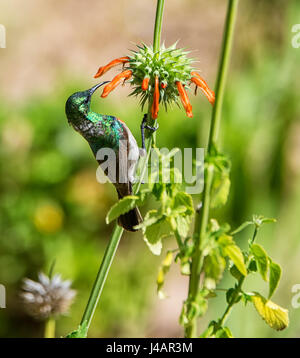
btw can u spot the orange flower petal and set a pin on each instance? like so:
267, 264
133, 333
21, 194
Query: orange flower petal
111, 64
163, 85
123, 76
200, 82
145, 83
155, 104
184, 99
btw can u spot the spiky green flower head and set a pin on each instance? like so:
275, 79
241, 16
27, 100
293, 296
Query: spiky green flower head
170, 65
161, 76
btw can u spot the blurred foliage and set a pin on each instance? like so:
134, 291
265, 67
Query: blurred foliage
51, 206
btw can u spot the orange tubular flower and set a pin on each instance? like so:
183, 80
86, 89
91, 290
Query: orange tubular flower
163, 85
145, 83
184, 99
155, 104
111, 64
123, 76
199, 81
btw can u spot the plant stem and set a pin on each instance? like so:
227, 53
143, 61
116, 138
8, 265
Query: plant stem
118, 231
202, 218
49, 328
228, 309
178, 240
239, 288
158, 25
222, 73
102, 274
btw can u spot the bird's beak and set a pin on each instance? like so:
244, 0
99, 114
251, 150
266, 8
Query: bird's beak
93, 89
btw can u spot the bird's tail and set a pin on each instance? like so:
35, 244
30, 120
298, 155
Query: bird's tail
133, 217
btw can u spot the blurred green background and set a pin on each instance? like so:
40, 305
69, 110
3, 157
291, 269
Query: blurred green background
51, 206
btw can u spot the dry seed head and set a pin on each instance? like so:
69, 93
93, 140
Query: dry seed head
47, 297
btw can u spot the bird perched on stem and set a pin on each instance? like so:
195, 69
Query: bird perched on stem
108, 137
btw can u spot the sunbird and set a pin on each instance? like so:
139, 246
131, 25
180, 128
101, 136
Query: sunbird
105, 131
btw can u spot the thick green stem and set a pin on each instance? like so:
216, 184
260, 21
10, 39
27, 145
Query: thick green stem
49, 328
118, 231
202, 218
102, 274
223, 70
158, 25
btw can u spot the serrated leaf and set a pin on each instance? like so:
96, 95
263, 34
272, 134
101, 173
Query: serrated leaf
274, 277
151, 233
262, 260
275, 316
231, 250
150, 220
184, 199
151, 236
121, 207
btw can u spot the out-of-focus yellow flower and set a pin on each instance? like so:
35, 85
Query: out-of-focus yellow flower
48, 218
85, 190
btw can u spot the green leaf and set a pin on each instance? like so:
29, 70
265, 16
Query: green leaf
214, 265
220, 190
223, 332
151, 236
80, 332
231, 250
252, 266
121, 207
261, 259
274, 277
183, 225
235, 273
158, 189
233, 296
198, 307
185, 268
143, 197
241, 227
258, 220
275, 316
151, 233
184, 199
149, 220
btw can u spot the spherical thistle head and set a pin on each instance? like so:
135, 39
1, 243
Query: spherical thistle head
47, 297
170, 65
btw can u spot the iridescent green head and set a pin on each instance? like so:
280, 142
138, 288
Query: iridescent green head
79, 102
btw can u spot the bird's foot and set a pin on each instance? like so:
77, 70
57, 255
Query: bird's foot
146, 126
142, 152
